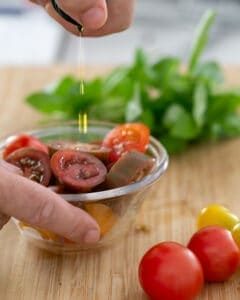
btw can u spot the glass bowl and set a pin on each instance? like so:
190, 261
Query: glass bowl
120, 204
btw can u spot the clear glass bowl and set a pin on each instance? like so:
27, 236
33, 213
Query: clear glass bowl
124, 202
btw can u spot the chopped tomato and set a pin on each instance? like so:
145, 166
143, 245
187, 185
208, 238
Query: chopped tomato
35, 164
77, 170
127, 137
23, 141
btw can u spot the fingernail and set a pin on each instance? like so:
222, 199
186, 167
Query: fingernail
91, 237
94, 18
10, 168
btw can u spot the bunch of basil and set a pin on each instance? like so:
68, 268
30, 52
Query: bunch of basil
181, 106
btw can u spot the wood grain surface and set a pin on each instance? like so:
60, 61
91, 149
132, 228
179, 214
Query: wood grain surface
204, 174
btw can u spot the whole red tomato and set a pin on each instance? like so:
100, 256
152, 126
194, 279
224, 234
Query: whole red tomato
23, 141
170, 271
217, 252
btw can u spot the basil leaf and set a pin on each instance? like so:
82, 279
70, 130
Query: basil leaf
200, 103
47, 103
134, 106
180, 123
210, 72
173, 145
201, 39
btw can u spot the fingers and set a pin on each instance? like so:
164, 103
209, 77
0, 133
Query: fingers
10, 168
92, 14
98, 17
13, 169
120, 17
40, 2
38, 206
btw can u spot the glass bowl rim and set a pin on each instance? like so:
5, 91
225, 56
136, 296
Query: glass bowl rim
112, 193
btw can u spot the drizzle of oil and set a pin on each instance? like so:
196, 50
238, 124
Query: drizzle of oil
83, 116
83, 122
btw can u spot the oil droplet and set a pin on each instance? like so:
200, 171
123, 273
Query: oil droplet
83, 117
83, 122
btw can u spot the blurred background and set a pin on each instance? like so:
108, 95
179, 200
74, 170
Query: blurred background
29, 36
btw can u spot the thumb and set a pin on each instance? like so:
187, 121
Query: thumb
32, 203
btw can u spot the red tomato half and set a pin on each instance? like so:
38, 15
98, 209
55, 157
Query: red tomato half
170, 271
35, 164
23, 141
77, 170
126, 137
217, 252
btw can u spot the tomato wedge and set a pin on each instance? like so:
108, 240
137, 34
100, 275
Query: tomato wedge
127, 137
35, 164
23, 141
77, 170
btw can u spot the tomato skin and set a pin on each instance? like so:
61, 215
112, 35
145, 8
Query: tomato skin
77, 170
126, 137
217, 252
23, 141
170, 271
34, 164
236, 234
215, 214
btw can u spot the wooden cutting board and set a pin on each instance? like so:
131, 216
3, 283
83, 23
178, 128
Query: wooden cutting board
204, 174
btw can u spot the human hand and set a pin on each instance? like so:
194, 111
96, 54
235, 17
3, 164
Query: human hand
32, 203
98, 17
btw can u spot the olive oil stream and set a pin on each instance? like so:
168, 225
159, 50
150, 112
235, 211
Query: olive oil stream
83, 116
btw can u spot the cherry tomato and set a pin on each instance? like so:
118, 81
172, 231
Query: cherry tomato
170, 271
24, 141
123, 138
97, 150
77, 170
219, 215
103, 215
217, 252
35, 164
236, 234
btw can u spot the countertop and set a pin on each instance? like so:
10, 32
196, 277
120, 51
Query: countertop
204, 174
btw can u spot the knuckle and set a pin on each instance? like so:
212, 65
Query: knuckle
125, 24
76, 230
43, 213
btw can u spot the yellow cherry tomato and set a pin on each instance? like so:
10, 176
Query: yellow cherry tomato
215, 214
236, 234
103, 215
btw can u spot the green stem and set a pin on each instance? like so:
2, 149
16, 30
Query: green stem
201, 39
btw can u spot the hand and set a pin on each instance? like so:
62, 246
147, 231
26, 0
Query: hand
98, 17
32, 203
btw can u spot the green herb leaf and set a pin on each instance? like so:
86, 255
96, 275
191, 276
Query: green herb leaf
47, 103
180, 123
173, 145
165, 69
210, 72
134, 106
200, 103
201, 39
